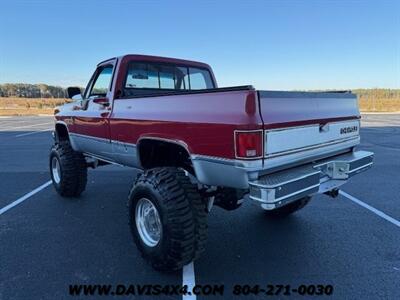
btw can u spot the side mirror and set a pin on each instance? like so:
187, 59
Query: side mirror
102, 101
73, 91
77, 97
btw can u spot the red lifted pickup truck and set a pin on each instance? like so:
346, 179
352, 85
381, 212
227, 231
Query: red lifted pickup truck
198, 146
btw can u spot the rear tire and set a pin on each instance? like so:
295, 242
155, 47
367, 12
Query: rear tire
182, 233
68, 170
199, 210
289, 209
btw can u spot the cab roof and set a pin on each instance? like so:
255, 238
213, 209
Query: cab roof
150, 58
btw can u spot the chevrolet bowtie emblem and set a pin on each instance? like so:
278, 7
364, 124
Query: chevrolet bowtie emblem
324, 128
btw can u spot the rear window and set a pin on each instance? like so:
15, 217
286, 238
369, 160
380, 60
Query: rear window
167, 77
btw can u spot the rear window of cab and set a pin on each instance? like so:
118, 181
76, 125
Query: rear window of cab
167, 77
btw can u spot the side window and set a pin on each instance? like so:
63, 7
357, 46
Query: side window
200, 79
102, 82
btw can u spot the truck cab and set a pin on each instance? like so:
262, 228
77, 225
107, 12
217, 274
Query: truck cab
196, 145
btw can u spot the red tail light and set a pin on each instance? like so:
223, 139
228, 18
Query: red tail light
249, 144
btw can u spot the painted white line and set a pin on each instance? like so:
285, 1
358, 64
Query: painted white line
29, 133
372, 209
12, 123
188, 279
23, 198
26, 126
20, 122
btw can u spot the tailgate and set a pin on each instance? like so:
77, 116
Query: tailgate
302, 121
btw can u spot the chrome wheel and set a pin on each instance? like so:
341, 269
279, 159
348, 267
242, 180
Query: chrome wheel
55, 170
148, 222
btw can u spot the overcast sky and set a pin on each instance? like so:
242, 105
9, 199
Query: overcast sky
273, 45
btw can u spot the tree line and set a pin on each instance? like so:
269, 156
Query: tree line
24, 90
393, 94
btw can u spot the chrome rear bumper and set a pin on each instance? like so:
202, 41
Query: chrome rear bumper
281, 188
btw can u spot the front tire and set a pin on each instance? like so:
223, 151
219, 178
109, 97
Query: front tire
288, 209
68, 170
175, 219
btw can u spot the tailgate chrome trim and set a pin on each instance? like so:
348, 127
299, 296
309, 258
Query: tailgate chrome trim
317, 153
312, 147
283, 141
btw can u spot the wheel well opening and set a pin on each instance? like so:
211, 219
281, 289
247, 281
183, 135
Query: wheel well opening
155, 153
62, 132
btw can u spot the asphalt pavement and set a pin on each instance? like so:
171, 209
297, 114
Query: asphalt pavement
48, 242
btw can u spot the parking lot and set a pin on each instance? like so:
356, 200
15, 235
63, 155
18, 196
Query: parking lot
48, 242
